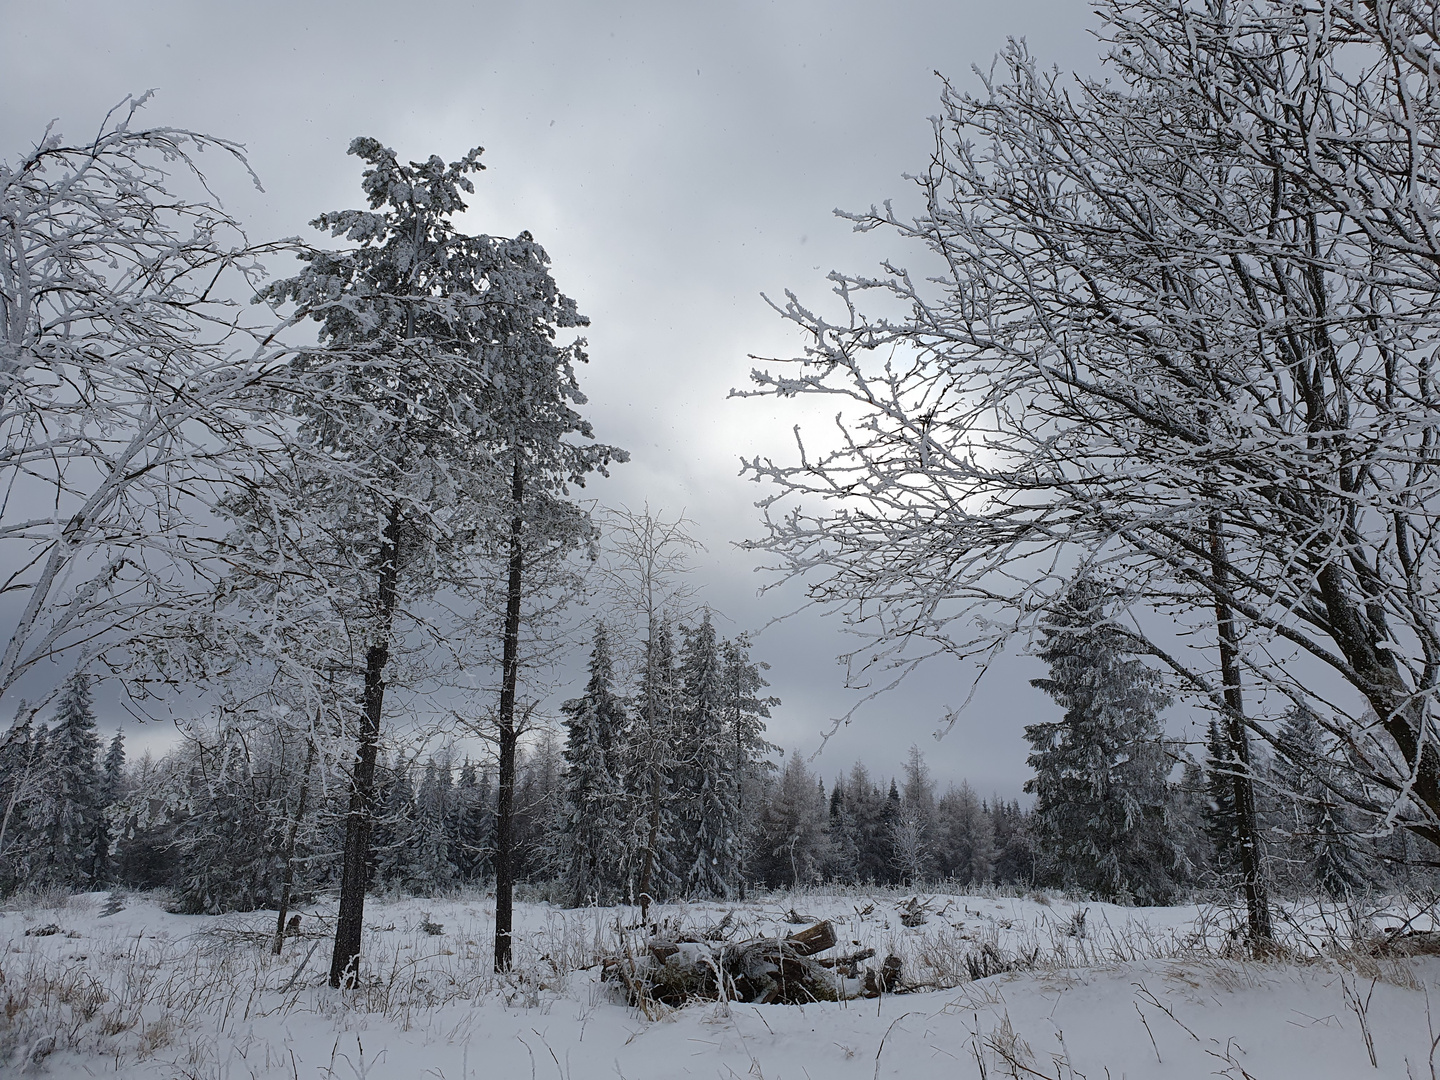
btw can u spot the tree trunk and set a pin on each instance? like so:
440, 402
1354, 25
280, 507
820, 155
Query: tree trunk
1238, 751
288, 878
355, 865
652, 838
509, 677
740, 852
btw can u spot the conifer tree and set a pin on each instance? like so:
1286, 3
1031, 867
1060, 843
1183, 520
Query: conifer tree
844, 851
395, 830
745, 714
1014, 843
73, 811
470, 840
23, 776
711, 804
113, 782
1316, 826
866, 808
1100, 771
112, 790
966, 841
793, 845
432, 870
592, 818
443, 443
224, 821
1186, 817
653, 768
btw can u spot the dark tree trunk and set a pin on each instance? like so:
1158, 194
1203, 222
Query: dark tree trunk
739, 791
355, 865
509, 677
652, 837
288, 878
1257, 904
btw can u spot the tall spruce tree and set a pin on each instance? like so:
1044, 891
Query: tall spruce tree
112, 790
711, 811
74, 802
965, 844
874, 851
844, 851
1100, 771
433, 871
473, 822
752, 755
593, 821
653, 768
793, 845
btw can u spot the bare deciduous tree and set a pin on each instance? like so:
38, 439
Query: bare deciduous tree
132, 393
1178, 329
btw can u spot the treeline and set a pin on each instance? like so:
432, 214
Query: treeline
659, 784
218, 819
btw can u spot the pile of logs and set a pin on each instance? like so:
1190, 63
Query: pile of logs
787, 970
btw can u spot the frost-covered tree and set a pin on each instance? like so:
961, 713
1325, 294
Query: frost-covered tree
473, 823
1318, 837
132, 391
443, 441
965, 844
433, 870
389, 477
1100, 771
793, 844
394, 833
653, 769
912, 830
71, 819
593, 823
751, 754
24, 775
1175, 323
646, 578
711, 809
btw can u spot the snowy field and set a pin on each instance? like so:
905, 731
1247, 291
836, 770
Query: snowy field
1126, 992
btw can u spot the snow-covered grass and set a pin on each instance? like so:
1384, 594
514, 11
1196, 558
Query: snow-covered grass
1071, 990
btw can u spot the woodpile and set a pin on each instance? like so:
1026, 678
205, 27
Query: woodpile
780, 970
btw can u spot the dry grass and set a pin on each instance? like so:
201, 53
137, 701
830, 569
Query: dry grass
127, 997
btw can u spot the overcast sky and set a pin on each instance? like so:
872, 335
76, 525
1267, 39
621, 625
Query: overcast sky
677, 160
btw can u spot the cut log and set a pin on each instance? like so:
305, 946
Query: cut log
813, 939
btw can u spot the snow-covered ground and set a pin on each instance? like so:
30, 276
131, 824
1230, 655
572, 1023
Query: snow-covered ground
1132, 992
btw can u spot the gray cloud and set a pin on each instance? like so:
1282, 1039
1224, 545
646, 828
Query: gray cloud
676, 160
